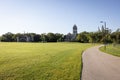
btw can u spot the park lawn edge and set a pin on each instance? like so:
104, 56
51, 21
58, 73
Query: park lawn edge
111, 53
81, 69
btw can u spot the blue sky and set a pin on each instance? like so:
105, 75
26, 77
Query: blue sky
57, 16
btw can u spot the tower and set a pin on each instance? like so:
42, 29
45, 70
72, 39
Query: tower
75, 30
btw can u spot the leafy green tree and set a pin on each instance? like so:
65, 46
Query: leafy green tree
51, 37
116, 36
59, 37
92, 37
7, 37
37, 38
83, 37
44, 37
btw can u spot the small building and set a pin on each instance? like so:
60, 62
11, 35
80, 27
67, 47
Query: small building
71, 37
25, 38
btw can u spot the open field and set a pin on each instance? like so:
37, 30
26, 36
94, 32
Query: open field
114, 50
41, 61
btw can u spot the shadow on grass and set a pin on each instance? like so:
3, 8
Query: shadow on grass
81, 69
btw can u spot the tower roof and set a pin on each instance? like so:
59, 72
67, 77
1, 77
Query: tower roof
75, 27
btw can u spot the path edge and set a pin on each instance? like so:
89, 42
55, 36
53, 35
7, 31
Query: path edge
81, 65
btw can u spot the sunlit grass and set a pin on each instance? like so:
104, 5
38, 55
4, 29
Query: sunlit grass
114, 50
41, 61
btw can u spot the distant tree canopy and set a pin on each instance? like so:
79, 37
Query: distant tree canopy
8, 37
50, 37
103, 35
83, 37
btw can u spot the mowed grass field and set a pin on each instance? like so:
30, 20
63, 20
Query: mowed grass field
110, 49
41, 61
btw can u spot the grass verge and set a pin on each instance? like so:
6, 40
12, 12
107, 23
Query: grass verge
81, 68
110, 49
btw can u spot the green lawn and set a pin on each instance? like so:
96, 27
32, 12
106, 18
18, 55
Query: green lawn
41, 61
114, 50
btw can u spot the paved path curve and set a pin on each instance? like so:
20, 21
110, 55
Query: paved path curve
100, 66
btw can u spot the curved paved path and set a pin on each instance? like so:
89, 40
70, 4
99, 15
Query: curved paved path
100, 66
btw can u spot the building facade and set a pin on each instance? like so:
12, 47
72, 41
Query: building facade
71, 37
25, 38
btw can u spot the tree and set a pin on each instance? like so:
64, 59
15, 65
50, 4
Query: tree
37, 38
59, 37
83, 37
92, 37
51, 37
116, 36
43, 37
8, 37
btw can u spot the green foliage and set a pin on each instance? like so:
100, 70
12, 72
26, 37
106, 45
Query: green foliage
8, 37
82, 37
41, 61
51, 37
37, 38
103, 35
116, 36
43, 37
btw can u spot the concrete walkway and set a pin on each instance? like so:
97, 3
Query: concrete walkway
100, 66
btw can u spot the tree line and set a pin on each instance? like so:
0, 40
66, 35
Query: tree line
103, 35
49, 37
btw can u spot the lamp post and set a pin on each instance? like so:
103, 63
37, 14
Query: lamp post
105, 33
104, 23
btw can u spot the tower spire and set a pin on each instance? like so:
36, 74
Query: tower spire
74, 29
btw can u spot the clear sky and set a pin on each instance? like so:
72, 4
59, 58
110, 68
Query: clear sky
57, 16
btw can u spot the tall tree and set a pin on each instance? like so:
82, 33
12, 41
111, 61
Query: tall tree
7, 37
37, 38
44, 37
51, 37
83, 37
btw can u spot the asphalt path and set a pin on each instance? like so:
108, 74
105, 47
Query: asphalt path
98, 65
